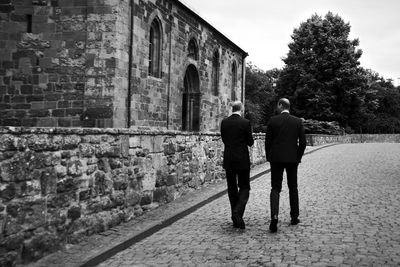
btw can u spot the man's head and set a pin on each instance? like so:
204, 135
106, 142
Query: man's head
283, 104
237, 106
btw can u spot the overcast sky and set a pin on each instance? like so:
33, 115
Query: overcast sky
263, 28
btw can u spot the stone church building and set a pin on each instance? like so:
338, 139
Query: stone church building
140, 64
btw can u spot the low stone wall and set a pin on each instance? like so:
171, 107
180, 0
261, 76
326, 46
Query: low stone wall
59, 184
316, 139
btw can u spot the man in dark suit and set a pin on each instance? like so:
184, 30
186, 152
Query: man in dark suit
237, 135
285, 143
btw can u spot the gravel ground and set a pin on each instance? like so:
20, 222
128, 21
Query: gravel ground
349, 212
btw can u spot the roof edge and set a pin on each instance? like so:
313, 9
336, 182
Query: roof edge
192, 12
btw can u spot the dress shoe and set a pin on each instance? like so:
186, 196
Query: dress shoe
273, 227
235, 222
241, 224
294, 221
238, 222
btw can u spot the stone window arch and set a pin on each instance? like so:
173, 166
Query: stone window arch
155, 44
191, 100
215, 73
234, 81
193, 50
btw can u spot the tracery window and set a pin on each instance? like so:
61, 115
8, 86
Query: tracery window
234, 81
215, 73
155, 49
193, 51
191, 100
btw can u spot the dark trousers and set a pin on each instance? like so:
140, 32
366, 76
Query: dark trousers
238, 190
277, 169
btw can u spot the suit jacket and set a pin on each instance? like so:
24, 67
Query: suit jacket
285, 140
237, 135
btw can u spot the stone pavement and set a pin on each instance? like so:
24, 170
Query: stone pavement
349, 208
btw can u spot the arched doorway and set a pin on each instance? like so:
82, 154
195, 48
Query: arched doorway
191, 100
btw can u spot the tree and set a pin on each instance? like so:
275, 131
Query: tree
379, 111
260, 95
322, 77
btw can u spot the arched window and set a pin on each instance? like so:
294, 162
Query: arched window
234, 81
215, 73
193, 51
155, 49
191, 100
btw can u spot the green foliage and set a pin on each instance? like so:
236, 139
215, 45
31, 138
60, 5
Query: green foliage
260, 95
321, 75
323, 79
322, 127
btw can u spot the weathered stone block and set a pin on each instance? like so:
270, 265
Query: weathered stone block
75, 168
169, 148
104, 165
15, 169
12, 242
29, 214
67, 185
146, 142
71, 142
118, 198
40, 245
48, 181
146, 198
132, 197
124, 143
102, 184
74, 213
148, 180
7, 142
120, 182
86, 150
160, 195
134, 141
107, 150
115, 163
61, 171
150, 206
44, 143
6, 8
9, 258
91, 169
172, 179
180, 147
61, 200
159, 161
195, 182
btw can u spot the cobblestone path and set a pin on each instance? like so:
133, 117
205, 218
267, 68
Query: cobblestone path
349, 212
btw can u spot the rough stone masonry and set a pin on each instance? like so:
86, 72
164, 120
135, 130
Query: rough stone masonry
58, 185
115, 63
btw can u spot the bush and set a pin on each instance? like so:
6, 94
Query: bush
322, 127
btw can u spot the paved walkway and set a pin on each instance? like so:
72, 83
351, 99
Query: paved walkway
349, 211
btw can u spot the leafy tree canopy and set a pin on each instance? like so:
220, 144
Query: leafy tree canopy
322, 73
324, 81
260, 95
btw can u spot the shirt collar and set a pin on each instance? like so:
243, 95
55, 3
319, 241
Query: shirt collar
285, 111
237, 113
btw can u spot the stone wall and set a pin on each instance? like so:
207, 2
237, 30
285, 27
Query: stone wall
157, 101
59, 184
85, 63
316, 139
61, 63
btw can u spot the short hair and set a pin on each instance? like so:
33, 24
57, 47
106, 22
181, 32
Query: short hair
236, 106
284, 102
